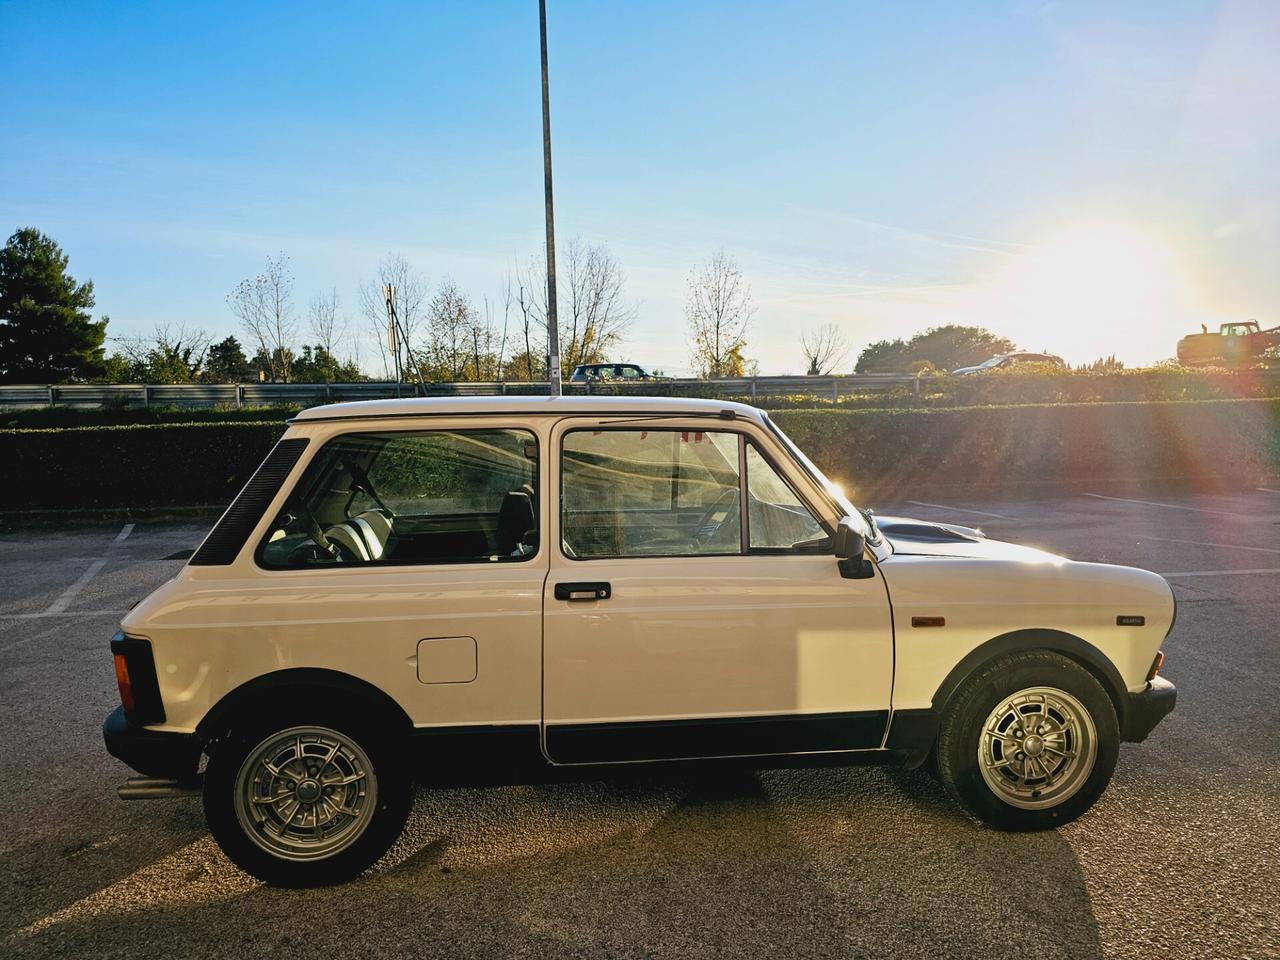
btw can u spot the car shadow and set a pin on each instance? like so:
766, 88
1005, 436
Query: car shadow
834, 862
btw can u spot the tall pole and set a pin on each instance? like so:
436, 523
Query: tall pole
553, 323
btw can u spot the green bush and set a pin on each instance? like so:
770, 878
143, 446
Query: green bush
877, 454
132, 466
887, 454
38, 418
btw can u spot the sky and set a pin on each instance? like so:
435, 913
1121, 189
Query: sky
1084, 178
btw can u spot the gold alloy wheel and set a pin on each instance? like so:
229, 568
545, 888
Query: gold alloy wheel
1037, 747
305, 793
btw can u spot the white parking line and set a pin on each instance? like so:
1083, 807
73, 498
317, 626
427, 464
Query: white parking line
1267, 490
1221, 573
63, 613
1171, 506
68, 595
939, 506
1202, 543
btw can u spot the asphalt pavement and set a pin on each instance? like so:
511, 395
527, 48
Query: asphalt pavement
1180, 858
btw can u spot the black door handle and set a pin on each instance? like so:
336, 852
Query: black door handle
591, 590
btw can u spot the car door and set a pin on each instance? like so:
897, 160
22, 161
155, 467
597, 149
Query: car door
693, 607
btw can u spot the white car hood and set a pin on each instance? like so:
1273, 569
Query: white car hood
925, 538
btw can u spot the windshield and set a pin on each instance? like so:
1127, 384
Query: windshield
863, 521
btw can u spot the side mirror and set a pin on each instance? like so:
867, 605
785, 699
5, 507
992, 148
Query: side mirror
849, 543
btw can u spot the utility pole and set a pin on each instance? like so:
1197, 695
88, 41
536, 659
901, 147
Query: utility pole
553, 322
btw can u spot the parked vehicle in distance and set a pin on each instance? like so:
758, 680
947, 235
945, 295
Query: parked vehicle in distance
1234, 345
1003, 361
601, 372
516, 589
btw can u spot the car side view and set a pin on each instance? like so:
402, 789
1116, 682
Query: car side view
512, 590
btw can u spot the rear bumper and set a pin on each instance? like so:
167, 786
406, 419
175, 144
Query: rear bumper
154, 753
1144, 710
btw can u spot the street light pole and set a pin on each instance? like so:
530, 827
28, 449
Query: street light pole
553, 323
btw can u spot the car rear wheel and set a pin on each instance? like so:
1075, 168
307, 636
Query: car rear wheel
306, 803
1029, 742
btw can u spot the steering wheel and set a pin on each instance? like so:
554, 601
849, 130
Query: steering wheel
716, 519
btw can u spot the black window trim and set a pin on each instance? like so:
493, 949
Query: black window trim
390, 564
744, 549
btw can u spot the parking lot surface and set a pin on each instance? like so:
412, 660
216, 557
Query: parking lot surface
1180, 858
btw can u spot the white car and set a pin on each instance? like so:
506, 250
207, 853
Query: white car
513, 589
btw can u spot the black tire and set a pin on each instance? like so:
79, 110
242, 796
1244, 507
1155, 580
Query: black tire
961, 738
387, 777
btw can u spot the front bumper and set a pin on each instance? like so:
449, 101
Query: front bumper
1144, 710
155, 753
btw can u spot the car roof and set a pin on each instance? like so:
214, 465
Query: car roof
545, 406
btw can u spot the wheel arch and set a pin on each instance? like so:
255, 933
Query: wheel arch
270, 690
1018, 641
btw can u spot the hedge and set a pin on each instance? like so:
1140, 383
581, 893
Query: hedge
877, 454
887, 454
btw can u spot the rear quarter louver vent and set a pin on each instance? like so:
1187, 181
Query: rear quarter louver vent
227, 538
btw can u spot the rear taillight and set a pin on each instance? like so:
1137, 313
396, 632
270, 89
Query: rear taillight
136, 678
123, 682
1156, 664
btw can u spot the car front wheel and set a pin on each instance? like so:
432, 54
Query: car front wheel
1029, 742
302, 804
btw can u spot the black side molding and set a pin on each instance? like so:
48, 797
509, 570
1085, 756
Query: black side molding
715, 737
228, 536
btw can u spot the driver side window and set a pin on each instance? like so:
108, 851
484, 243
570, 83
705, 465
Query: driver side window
655, 493
437, 496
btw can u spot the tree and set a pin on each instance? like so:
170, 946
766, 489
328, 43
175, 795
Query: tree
946, 347
452, 335
595, 315
46, 332
529, 297
227, 363
315, 364
719, 309
411, 299
824, 349
264, 306
326, 325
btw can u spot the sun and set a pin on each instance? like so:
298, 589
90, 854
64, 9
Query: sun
1094, 289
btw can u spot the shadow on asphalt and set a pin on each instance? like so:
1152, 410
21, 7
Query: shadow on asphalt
830, 863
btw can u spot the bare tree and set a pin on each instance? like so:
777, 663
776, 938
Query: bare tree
264, 306
174, 353
411, 302
824, 349
451, 333
596, 314
719, 309
326, 325
528, 289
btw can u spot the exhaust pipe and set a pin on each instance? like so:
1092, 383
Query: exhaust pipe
153, 788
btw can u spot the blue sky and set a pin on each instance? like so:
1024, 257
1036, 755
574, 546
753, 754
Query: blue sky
1081, 177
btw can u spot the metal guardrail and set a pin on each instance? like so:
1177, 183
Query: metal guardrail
206, 395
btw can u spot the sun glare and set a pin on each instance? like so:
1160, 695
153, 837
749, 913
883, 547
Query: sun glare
1092, 290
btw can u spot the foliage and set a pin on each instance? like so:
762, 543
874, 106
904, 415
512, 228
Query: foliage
318, 365
134, 466
892, 454
719, 309
877, 454
228, 364
46, 332
946, 348
264, 306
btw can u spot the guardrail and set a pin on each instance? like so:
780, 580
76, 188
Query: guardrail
197, 395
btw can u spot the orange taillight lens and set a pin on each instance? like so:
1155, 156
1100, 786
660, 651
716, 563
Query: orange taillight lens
123, 682
1156, 664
